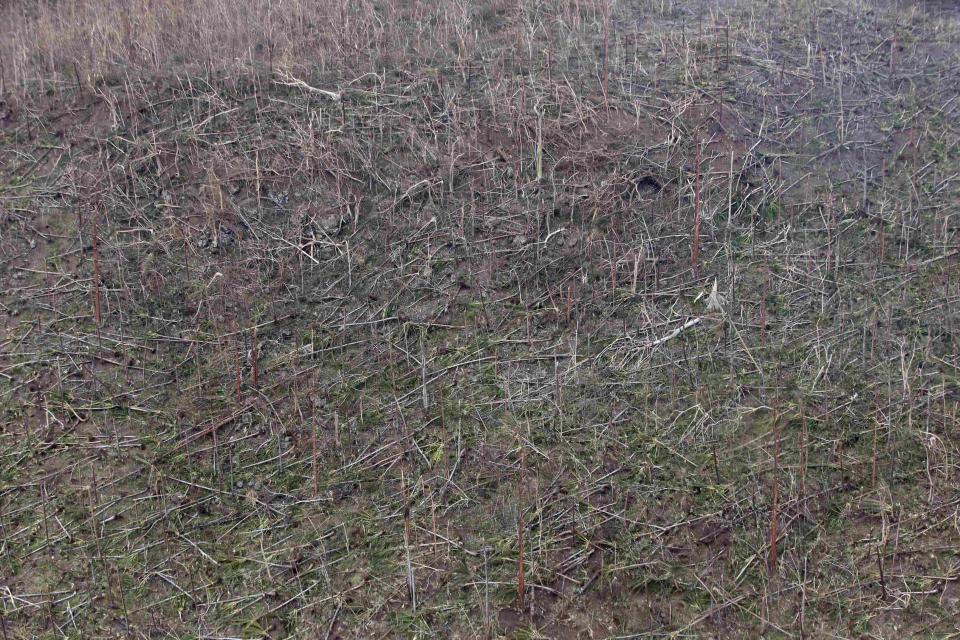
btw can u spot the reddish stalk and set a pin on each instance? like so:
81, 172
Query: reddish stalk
313, 445
521, 579
695, 248
253, 356
763, 302
893, 52
775, 508
96, 276
237, 366
606, 51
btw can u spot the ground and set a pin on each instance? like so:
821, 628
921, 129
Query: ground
510, 320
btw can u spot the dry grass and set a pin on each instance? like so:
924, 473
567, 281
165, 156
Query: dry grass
523, 319
53, 43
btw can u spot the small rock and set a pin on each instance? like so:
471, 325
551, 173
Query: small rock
329, 224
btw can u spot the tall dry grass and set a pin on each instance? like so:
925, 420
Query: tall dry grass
83, 40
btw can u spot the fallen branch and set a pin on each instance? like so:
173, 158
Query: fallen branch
289, 81
692, 322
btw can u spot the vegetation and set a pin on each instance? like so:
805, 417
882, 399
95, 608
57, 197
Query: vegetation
575, 319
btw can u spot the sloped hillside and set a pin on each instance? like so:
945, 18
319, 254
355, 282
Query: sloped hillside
577, 319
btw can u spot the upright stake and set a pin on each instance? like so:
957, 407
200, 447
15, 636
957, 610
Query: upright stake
775, 508
521, 584
96, 277
253, 355
695, 248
